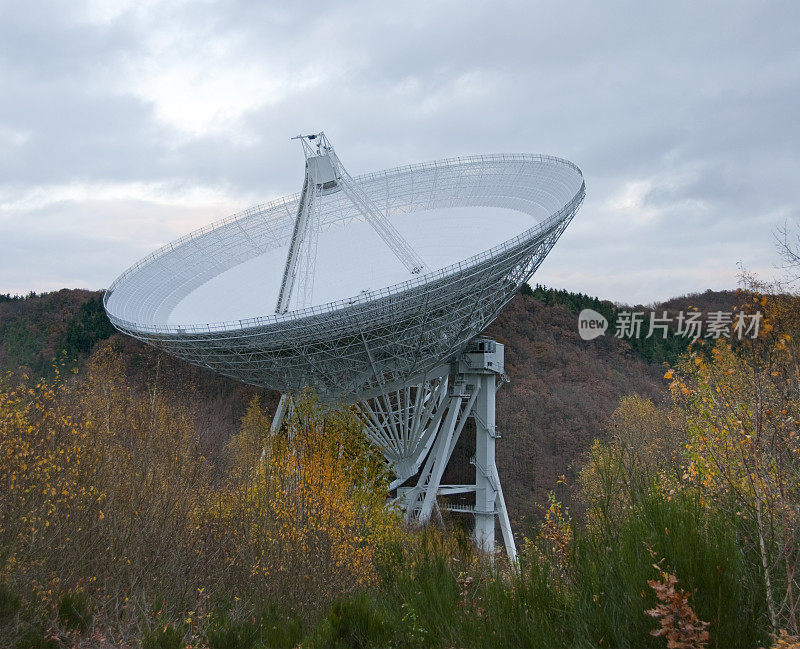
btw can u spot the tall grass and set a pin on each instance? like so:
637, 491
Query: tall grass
436, 593
699, 546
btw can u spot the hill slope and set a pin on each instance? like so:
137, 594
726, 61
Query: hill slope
66, 327
561, 393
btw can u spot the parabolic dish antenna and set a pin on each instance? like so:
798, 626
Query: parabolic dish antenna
366, 289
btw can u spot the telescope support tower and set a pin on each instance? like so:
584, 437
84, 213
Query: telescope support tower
475, 378
420, 425
396, 353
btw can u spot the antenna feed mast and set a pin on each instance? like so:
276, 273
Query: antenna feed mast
325, 174
314, 144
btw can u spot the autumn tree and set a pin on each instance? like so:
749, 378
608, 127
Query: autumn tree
645, 449
305, 512
100, 490
741, 408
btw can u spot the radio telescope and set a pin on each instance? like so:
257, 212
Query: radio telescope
371, 290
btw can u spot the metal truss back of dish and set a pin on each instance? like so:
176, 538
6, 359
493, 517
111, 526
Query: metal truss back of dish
377, 341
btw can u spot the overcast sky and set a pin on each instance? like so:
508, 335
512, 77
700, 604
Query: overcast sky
124, 125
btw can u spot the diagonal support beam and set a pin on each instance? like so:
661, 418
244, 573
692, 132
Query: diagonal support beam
505, 522
379, 221
440, 457
296, 245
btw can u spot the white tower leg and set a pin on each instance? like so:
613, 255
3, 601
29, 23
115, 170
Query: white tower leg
281, 412
485, 485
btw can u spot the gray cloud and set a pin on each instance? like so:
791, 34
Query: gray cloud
683, 117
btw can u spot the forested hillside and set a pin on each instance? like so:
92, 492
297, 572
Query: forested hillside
37, 329
41, 332
146, 503
561, 392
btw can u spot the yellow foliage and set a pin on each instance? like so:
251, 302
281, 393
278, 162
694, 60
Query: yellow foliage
105, 487
644, 452
103, 482
741, 412
731, 408
307, 506
556, 535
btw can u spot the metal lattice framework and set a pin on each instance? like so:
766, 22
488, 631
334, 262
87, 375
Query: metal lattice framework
401, 354
376, 340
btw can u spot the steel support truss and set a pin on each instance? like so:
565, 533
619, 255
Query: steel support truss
418, 426
470, 393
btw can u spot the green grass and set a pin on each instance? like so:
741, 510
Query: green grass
74, 611
599, 601
356, 623
266, 629
167, 636
700, 548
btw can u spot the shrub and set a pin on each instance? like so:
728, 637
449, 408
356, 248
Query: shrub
530, 608
611, 571
679, 623
303, 522
279, 631
227, 633
432, 586
355, 623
